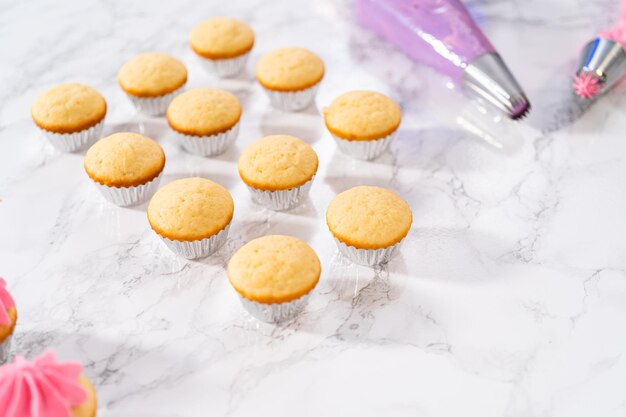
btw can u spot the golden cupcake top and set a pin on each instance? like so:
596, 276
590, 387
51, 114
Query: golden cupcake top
152, 74
69, 108
190, 209
274, 269
278, 162
6, 331
124, 160
221, 38
369, 217
289, 69
89, 407
203, 112
362, 115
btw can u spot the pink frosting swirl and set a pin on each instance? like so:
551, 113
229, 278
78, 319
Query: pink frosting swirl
41, 388
6, 302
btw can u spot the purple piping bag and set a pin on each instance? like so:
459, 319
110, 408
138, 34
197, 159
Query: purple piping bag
443, 35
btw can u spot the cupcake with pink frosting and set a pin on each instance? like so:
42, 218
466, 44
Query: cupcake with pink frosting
8, 318
45, 387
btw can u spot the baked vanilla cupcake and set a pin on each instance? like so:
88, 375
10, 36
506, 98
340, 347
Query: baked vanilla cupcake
126, 167
45, 387
223, 44
278, 171
8, 319
70, 115
192, 216
152, 80
291, 77
369, 223
206, 120
274, 276
363, 123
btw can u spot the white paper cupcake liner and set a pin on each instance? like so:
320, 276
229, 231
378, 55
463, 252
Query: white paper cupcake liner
277, 312
209, 145
368, 257
72, 142
225, 67
364, 149
292, 100
281, 199
195, 249
154, 106
129, 196
5, 350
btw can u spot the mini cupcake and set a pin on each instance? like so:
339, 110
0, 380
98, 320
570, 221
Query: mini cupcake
223, 44
192, 216
206, 120
152, 80
125, 167
70, 115
274, 276
278, 171
369, 224
291, 77
8, 319
363, 123
45, 387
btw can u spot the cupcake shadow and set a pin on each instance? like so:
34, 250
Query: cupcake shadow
348, 174
227, 181
306, 125
305, 208
269, 222
349, 296
143, 207
153, 127
230, 155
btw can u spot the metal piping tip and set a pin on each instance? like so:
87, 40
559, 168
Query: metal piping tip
602, 64
489, 78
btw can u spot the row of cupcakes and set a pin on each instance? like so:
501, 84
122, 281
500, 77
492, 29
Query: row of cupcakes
206, 121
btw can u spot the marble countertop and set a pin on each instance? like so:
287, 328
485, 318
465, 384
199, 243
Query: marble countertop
509, 297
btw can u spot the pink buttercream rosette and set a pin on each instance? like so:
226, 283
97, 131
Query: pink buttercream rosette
41, 388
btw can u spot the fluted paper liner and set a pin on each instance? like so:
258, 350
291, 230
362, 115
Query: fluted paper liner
225, 67
364, 149
292, 100
208, 145
129, 196
154, 106
368, 257
276, 312
72, 142
281, 199
201, 248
